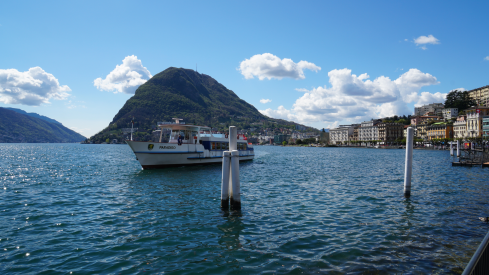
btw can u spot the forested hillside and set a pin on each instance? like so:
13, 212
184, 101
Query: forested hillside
20, 128
176, 92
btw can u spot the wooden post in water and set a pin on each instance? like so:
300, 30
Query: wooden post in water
226, 161
451, 148
409, 162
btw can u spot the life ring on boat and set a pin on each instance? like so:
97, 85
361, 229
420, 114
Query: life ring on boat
226, 135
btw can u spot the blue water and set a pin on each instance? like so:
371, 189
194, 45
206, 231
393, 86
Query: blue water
86, 209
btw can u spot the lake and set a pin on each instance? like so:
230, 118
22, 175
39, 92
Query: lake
86, 209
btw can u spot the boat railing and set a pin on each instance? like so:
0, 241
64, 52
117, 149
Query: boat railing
479, 264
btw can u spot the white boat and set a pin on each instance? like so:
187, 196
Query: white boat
198, 146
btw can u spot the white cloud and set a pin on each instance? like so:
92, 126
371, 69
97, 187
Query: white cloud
430, 39
281, 112
125, 78
354, 98
33, 87
423, 40
264, 101
428, 98
486, 58
270, 66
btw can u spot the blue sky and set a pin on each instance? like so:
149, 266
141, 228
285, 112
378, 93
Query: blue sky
254, 48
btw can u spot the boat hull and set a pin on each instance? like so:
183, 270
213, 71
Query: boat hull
153, 155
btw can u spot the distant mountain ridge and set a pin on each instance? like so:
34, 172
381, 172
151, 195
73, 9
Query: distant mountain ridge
33, 115
16, 127
176, 92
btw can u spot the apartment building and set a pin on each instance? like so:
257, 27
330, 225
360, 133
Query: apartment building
435, 108
485, 126
439, 130
480, 95
449, 113
418, 119
474, 120
369, 130
460, 127
389, 132
421, 128
341, 134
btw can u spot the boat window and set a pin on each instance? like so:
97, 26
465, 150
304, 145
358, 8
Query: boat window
226, 144
218, 145
244, 146
213, 146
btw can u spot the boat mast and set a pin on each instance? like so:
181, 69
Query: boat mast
132, 127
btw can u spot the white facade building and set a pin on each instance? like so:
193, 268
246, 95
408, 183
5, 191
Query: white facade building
368, 130
340, 135
435, 108
449, 113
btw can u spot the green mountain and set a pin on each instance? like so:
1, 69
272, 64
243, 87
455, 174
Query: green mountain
16, 127
33, 115
176, 92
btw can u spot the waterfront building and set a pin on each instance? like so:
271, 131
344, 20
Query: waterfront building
449, 113
354, 136
278, 139
341, 134
460, 127
405, 130
422, 127
480, 95
485, 127
435, 108
368, 130
474, 120
389, 132
439, 130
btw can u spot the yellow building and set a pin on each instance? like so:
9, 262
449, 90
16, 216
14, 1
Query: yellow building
480, 95
439, 130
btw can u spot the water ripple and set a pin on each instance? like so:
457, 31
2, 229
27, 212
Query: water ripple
91, 209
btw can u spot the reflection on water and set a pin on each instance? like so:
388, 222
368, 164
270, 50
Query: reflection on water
91, 209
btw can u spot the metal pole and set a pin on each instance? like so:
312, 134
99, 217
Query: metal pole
409, 162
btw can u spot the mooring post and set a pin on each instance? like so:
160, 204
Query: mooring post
226, 161
235, 195
409, 162
458, 148
230, 186
451, 148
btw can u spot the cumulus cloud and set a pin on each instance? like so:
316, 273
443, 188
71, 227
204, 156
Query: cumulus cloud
125, 78
353, 98
270, 66
423, 40
33, 87
264, 101
428, 98
486, 58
